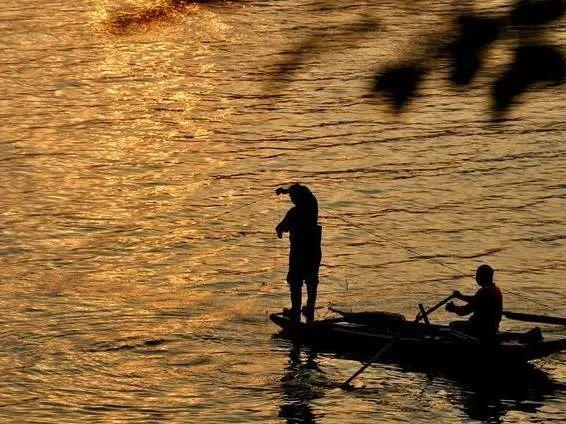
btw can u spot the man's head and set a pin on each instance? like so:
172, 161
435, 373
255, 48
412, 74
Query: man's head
299, 194
484, 275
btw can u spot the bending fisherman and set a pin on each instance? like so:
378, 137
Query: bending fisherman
301, 222
486, 307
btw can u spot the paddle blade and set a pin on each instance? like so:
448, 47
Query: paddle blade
347, 387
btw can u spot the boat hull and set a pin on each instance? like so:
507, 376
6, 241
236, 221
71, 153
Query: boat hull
428, 344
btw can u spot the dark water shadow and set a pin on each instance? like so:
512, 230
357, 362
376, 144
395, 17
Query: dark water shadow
399, 84
533, 66
302, 383
467, 53
486, 395
537, 12
123, 345
324, 41
143, 18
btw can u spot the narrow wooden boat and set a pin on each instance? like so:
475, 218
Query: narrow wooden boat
366, 333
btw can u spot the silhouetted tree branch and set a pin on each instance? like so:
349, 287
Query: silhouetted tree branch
536, 63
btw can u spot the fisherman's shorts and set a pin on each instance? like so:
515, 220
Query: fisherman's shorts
303, 271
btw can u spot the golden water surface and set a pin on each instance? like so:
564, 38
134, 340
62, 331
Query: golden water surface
135, 281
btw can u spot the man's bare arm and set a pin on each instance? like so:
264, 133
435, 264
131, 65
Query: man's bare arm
461, 296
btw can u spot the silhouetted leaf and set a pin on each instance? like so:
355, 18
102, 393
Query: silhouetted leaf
532, 12
399, 84
324, 40
475, 34
532, 64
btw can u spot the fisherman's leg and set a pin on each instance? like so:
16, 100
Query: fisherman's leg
311, 301
296, 288
312, 287
296, 298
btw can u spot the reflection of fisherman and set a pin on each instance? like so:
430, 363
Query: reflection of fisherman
486, 306
301, 221
302, 383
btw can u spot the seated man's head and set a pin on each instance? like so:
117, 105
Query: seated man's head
484, 275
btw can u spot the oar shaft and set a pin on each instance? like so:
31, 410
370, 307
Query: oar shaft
395, 339
371, 361
435, 307
544, 319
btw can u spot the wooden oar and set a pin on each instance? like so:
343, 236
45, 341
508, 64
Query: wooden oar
375, 357
434, 308
534, 318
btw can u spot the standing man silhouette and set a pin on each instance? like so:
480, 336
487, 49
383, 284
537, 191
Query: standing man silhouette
301, 222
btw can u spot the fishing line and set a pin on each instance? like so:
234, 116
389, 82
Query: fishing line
383, 238
245, 205
278, 210
414, 252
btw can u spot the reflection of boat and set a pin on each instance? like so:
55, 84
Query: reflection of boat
483, 394
365, 333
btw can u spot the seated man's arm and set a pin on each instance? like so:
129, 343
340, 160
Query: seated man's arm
471, 306
466, 298
464, 309
468, 308
461, 296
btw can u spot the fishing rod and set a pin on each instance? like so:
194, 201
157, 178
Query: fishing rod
416, 253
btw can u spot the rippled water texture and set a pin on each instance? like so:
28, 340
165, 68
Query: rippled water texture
136, 286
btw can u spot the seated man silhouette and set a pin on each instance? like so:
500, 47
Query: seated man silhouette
486, 307
301, 222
